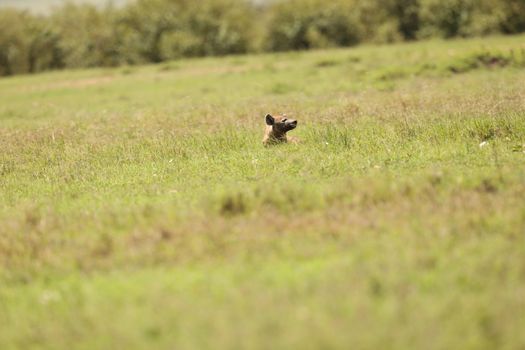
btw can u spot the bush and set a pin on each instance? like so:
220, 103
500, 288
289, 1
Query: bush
87, 36
217, 27
512, 16
451, 18
305, 24
157, 30
445, 18
13, 42
142, 26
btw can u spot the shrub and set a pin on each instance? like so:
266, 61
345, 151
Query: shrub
450, 18
157, 30
512, 18
87, 35
142, 26
305, 24
13, 42
445, 18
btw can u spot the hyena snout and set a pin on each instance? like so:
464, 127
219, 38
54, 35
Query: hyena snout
291, 124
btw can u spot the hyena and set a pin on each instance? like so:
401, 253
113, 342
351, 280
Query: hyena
276, 129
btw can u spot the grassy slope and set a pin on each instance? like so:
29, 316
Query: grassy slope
138, 207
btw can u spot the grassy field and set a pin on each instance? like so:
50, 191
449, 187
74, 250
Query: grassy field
139, 209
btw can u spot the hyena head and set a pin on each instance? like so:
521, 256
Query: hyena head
280, 125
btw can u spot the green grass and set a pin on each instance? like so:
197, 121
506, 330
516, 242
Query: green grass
139, 209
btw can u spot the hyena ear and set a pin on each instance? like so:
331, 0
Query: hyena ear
269, 120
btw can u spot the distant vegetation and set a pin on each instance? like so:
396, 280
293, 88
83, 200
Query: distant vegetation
160, 30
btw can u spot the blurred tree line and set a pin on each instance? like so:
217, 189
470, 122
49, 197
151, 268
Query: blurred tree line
158, 30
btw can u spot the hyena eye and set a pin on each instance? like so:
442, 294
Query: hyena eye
284, 120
